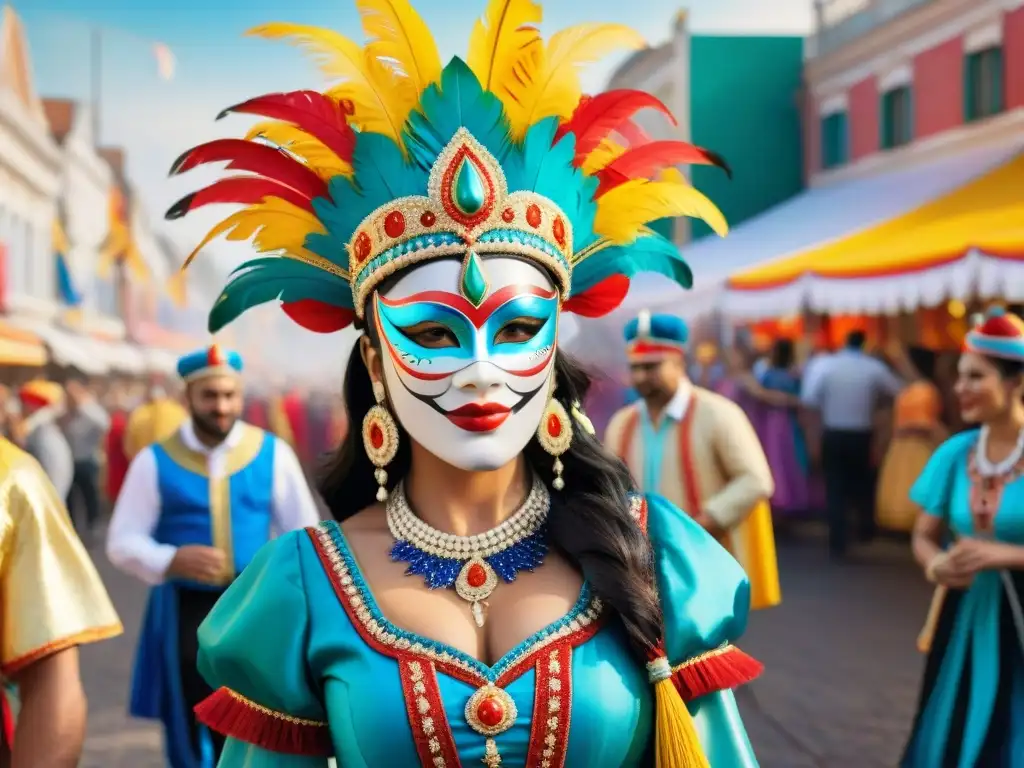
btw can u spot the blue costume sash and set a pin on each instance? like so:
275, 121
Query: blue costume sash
231, 512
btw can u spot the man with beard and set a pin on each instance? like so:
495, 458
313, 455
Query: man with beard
192, 512
697, 449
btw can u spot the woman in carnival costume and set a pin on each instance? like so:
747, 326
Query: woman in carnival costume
491, 589
972, 496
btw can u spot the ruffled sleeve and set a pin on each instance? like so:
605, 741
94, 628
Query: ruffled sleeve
51, 597
252, 652
933, 488
705, 598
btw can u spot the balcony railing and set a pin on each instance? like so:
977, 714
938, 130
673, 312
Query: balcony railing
841, 21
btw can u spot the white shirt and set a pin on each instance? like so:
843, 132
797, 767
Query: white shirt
675, 408
812, 372
130, 543
846, 388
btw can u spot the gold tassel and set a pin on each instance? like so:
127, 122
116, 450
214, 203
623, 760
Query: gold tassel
676, 744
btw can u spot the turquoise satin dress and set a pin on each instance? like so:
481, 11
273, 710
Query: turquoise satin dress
972, 700
301, 641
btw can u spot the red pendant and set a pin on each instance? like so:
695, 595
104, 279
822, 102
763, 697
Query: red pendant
476, 576
490, 711
554, 425
376, 436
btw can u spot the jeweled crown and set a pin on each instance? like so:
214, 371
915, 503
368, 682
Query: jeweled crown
467, 212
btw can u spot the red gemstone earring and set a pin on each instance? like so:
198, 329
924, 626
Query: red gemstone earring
380, 439
555, 436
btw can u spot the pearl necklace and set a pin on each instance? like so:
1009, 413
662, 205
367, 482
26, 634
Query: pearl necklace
472, 564
988, 468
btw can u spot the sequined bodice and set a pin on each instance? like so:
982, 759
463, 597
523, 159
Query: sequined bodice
571, 695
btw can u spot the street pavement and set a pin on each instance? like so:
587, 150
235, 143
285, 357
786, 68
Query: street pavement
838, 691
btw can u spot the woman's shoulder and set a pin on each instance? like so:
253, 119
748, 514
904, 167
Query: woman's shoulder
957, 446
705, 598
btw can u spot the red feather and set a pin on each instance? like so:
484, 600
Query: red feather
319, 115
245, 190
600, 299
597, 116
267, 161
633, 134
318, 316
644, 161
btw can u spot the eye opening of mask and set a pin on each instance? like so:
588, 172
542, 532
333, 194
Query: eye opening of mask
430, 334
528, 326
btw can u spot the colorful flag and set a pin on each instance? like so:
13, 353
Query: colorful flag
165, 62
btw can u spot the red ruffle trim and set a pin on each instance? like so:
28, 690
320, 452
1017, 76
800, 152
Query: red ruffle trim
231, 714
7, 716
719, 670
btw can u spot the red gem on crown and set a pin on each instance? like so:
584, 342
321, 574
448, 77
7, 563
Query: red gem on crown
361, 247
394, 224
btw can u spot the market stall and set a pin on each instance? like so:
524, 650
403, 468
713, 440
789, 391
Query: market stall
963, 245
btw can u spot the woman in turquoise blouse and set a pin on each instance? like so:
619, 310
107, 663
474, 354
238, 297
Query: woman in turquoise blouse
491, 588
972, 496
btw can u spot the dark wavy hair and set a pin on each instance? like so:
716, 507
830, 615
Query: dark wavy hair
589, 522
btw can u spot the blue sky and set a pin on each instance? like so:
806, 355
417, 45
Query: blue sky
217, 66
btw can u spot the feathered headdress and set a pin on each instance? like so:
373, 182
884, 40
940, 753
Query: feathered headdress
404, 161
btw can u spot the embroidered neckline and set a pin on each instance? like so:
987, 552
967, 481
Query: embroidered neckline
576, 627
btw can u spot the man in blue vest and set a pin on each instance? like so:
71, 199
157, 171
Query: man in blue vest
191, 514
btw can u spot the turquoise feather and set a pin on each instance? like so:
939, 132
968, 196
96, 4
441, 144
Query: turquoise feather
546, 167
651, 253
458, 101
382, 172
276, 279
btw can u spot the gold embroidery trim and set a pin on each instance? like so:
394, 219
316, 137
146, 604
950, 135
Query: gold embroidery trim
382, 634
273, 713
700, 658
92, 635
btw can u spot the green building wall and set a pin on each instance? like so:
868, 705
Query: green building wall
743, 105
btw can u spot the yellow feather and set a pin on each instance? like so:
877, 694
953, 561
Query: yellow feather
379, 104
507, 32
549, 84
321, 160
624, 211
273, 225
673, 175
275, 131
602, 156
399, 37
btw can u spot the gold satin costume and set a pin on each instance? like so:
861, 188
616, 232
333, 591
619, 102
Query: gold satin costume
152, 423
712, 462
51, 596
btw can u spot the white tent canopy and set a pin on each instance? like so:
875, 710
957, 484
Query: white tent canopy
812, 218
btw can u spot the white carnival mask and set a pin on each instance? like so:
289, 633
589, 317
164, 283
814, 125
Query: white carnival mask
469, 380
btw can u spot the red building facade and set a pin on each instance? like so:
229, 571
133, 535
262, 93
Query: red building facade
879, 81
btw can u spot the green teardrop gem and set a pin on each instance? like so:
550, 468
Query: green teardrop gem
470, 194
474, 284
